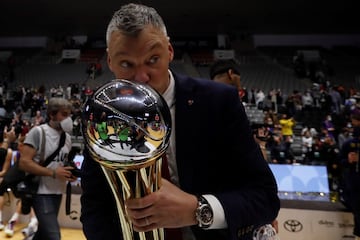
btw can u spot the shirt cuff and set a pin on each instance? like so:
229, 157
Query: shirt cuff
219, 215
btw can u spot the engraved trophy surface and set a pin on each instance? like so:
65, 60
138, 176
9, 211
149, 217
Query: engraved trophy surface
126, 128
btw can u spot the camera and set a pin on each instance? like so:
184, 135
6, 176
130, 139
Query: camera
75, 171
70, 162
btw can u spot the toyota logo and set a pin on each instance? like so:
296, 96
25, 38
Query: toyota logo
293, 225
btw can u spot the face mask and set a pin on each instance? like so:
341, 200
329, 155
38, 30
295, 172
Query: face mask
67, 125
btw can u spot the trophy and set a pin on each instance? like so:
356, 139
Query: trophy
126, 128
265, 232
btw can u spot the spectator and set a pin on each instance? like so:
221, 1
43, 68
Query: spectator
279, 152
38, 119
344, 135
287, 124
307, 141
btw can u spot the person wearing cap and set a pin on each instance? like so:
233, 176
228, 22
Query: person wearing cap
349, 154
227, 71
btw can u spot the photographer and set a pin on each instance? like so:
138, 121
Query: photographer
55, 175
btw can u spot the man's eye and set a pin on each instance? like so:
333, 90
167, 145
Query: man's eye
153, 60
125, 64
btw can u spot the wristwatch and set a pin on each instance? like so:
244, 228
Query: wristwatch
204, 213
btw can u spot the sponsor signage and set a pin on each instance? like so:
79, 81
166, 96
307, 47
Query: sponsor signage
300, 224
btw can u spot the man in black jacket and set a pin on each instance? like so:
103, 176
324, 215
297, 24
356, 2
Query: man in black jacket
213, 157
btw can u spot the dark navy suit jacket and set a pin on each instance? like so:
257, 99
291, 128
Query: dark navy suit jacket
216, 154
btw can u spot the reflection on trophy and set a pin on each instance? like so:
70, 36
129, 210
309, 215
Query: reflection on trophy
126, 127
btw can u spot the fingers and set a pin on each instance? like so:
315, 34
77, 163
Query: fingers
65, 173
141, 213
144, 224
68, 168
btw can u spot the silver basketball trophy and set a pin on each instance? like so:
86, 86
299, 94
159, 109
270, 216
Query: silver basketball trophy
126, 128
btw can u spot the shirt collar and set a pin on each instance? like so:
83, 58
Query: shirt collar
169, 94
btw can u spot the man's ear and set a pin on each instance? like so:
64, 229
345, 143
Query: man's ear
171, 52
108, 59
230, 74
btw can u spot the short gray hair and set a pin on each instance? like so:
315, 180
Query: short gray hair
132, 18
56, 104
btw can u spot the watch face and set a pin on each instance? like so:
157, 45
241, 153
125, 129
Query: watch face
206, 214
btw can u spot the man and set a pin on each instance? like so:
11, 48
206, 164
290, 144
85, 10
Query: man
54, 176
213, 158
350, 159
227, 71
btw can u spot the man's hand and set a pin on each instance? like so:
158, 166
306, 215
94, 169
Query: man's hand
64, 173
169, 207
9, 134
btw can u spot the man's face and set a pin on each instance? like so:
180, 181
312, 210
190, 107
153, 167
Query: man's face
144, 58
61, 115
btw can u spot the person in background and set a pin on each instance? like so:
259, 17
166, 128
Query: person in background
202, 154
306, 148
7, 139
344, 135
287, 124
328, 125
349, 154
54, 176
228, 72
38, 119
31, 228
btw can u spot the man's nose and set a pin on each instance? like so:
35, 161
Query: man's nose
141, 75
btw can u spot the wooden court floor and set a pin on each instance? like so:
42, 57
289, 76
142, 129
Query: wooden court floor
66, 233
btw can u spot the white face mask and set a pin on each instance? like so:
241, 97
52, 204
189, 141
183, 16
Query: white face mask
67, 125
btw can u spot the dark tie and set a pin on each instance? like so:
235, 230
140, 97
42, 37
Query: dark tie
170, 233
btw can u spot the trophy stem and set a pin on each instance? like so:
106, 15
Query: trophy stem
145, 180
126, 227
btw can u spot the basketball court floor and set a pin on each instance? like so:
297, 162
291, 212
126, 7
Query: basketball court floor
66, 233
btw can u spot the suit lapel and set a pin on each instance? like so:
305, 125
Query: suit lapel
185, 113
